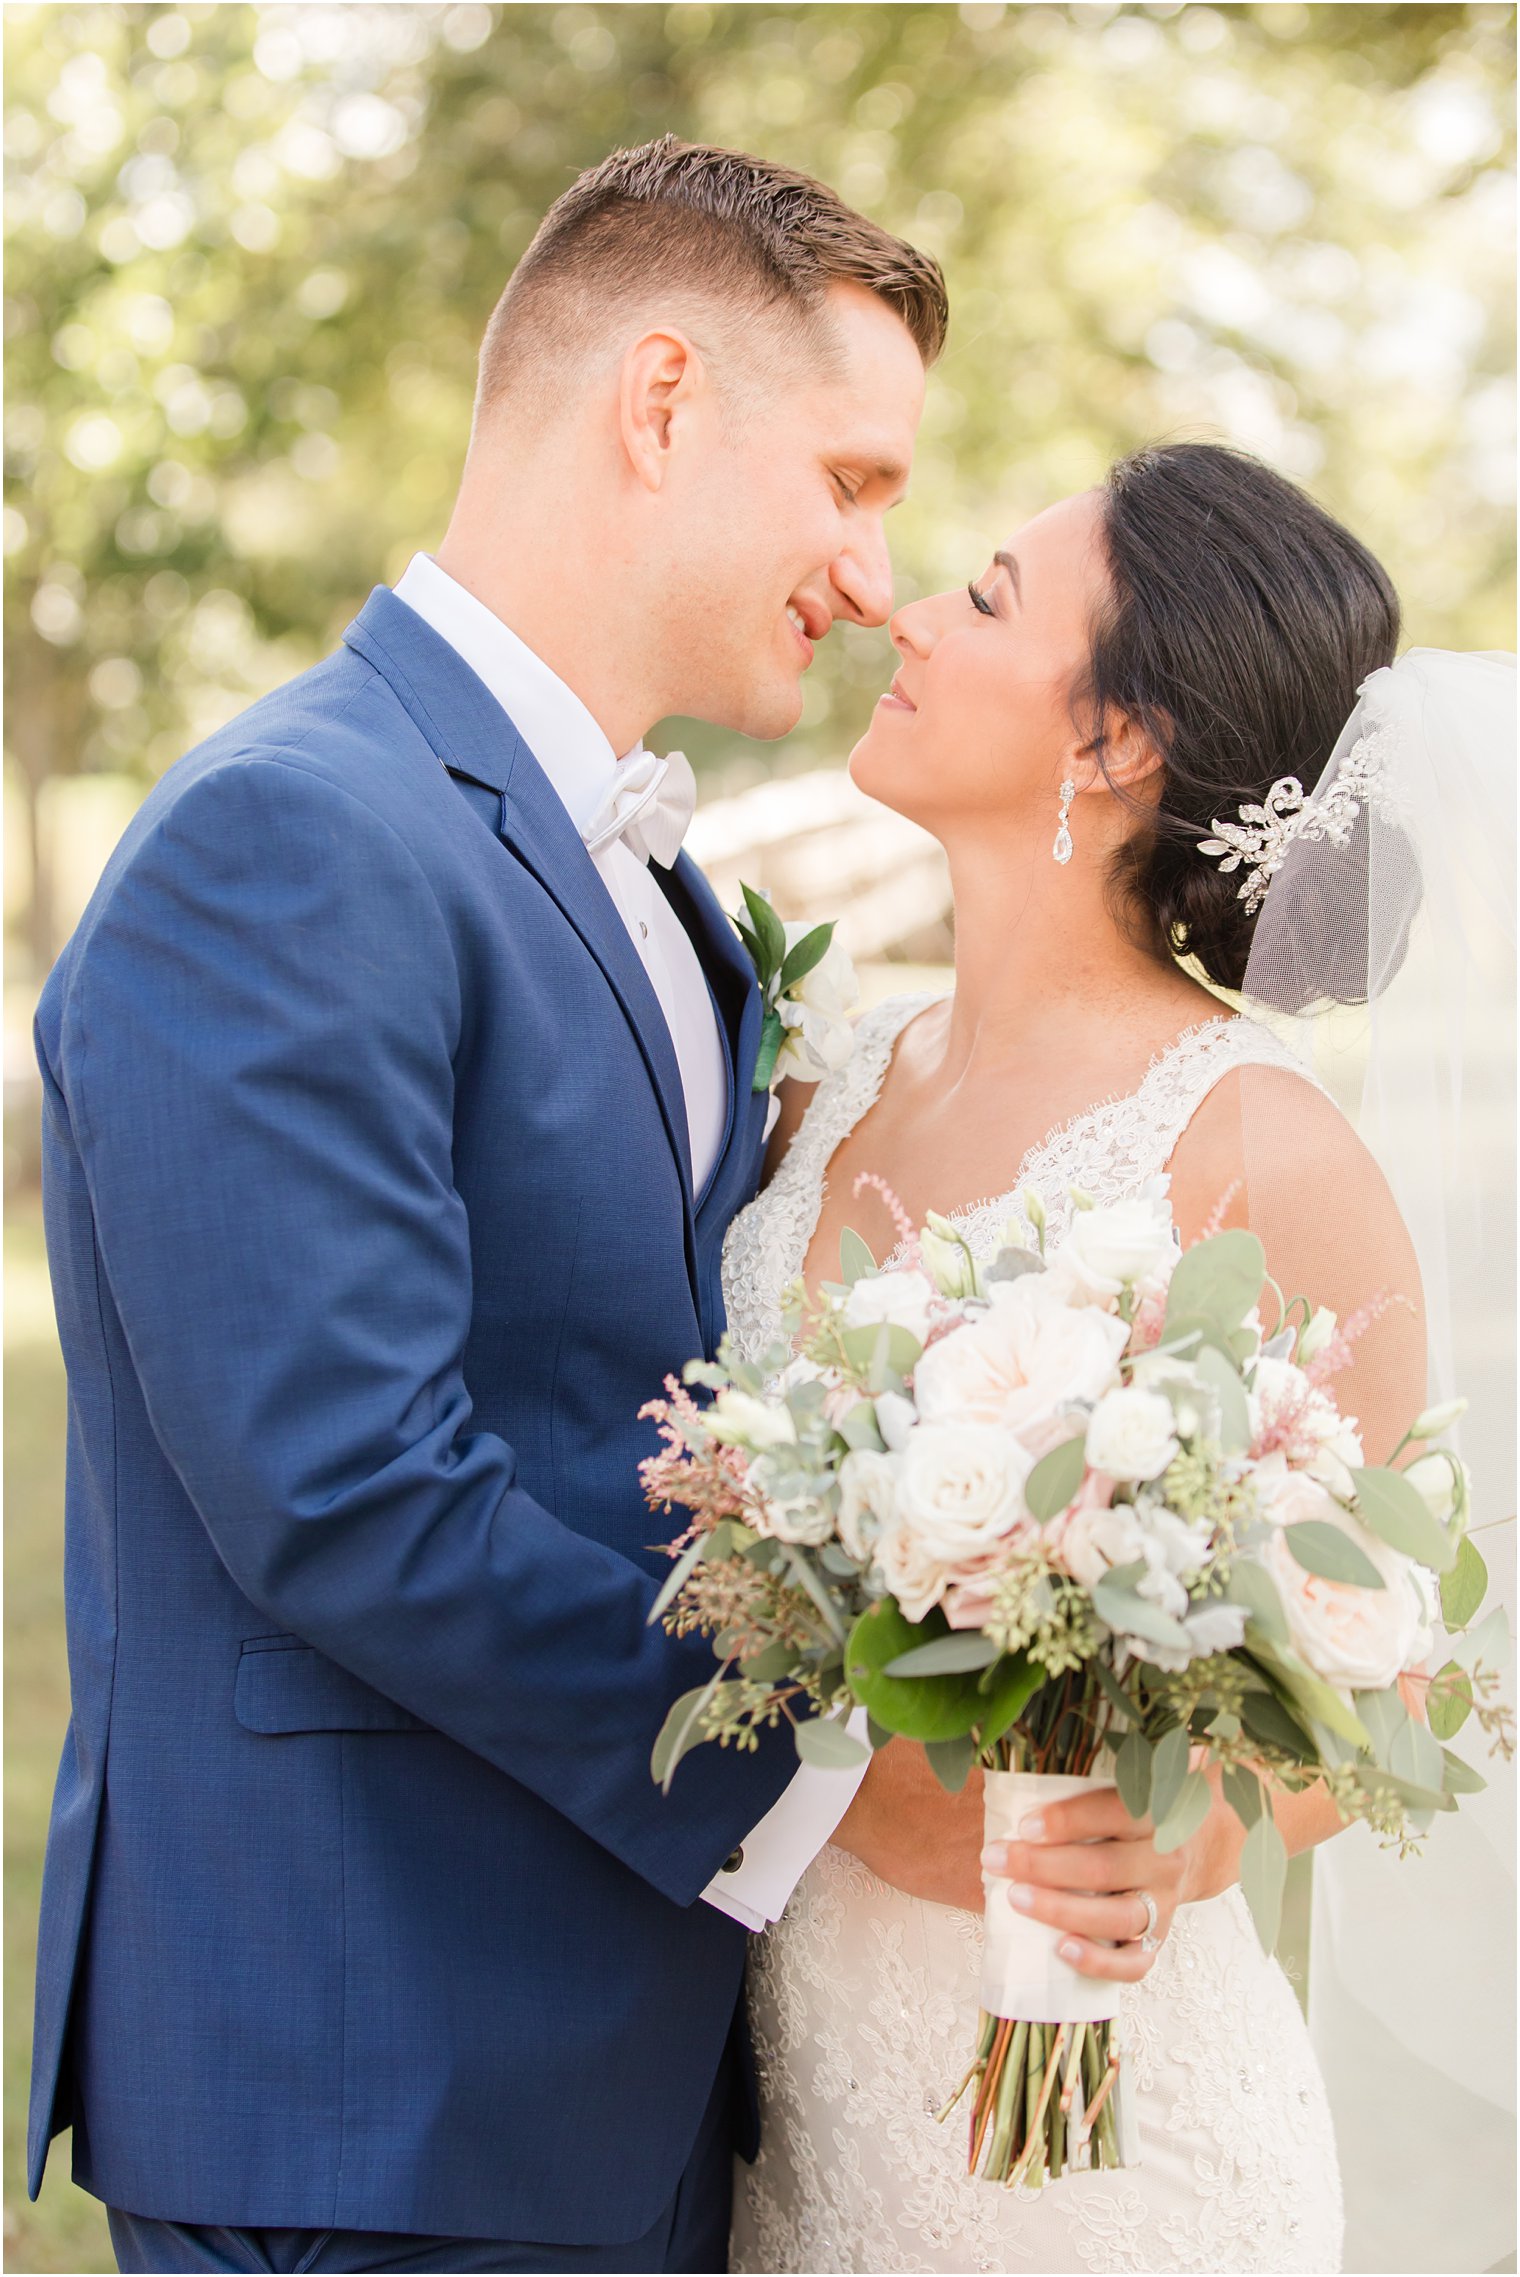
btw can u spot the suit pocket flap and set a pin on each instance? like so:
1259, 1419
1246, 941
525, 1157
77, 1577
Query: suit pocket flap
292, 1687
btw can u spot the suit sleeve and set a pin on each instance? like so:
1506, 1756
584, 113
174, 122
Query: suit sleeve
258, 1059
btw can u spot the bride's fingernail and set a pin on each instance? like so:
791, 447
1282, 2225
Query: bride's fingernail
995, 1857
1032, 1828
1021, 1895
1069, 1949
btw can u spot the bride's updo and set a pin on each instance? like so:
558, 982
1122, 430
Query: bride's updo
1241, 621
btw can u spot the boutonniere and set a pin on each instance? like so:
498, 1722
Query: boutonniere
807, 986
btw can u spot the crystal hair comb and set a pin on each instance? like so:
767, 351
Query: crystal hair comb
1265, 833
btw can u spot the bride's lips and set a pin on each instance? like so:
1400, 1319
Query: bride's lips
895, 701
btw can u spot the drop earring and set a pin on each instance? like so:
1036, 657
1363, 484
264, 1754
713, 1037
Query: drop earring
1062, 847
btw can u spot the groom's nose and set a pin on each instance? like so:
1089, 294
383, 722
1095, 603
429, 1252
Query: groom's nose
862, 575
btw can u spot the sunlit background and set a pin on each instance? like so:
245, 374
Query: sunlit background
250, 252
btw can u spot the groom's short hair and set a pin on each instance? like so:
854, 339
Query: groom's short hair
733, 235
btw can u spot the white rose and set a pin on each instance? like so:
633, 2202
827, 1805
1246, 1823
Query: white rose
1029, 1356
815, 1013
1173, 1544
914, 1576
867, 1499
1093, 1539
905, 1299
1127, 1244
1131, 1434
738, 1419
960, 1489
1358, 1639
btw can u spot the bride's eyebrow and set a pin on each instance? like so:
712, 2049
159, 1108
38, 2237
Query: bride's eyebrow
1006, 561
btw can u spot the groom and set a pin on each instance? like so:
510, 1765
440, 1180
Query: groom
397, 1097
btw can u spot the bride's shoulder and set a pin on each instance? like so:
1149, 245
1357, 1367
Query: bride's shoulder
1268, 1135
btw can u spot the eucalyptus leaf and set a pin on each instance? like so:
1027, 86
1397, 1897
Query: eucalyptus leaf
681, 1731
1266, 1718
861, 1429
1224, 1383
1449, 1710
1252, 1586
1132, 1772
1169, 1770
1263, 1875
689, 1558
1463, 1585
931, 1707
1220, 1279
1396, 1512
856, 1262
1114, 1692
1309, 1696
950, 1760
947, 1656
1488, 1642
878, 1734
1192, 1806
1015, 1681
808, 952
828, 1746
1385, 1716
804, 1575
1416, 1754
1460, 1778
1242, 1791
881, 1343
772, 1037
1053, 1482
1321, 1547
1132, 1616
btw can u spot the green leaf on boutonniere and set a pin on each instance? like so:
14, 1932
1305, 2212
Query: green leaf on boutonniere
772, 1035
809, 951
769, 932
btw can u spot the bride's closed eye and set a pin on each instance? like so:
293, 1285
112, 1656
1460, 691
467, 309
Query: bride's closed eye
980, 600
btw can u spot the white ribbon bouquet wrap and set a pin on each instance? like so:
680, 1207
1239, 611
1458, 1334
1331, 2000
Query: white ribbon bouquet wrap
1023, 1974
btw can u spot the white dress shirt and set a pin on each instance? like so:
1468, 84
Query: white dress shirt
582, 766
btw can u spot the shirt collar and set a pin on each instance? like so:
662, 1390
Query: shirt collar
551, 719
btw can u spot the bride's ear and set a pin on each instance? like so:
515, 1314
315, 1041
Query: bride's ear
1132, 760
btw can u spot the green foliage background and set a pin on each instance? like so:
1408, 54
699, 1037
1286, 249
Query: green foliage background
250, 251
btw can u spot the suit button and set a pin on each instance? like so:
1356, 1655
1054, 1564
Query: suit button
734, 1861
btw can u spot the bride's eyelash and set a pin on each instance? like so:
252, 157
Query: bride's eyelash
978, 601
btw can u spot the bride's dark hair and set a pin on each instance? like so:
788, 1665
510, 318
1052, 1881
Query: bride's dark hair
1241, 619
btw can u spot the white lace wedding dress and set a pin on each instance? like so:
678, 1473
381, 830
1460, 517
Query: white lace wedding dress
865, 2001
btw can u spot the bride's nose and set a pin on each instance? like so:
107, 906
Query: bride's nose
911, 631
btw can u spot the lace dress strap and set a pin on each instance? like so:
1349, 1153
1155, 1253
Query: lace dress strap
1110, 1150
767, 1242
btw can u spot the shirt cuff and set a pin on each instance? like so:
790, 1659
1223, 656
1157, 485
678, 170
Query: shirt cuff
753, 1887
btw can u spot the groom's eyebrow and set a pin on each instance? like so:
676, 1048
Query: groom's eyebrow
1006, 561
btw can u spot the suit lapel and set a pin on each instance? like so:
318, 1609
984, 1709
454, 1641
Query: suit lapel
479, 746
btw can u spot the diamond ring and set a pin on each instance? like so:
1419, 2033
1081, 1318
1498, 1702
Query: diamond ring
1147, 1940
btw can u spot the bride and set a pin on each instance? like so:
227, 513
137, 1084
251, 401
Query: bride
1140, 661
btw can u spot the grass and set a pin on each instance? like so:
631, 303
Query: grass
66, 2229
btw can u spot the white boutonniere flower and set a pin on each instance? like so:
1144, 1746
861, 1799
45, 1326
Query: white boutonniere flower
807, 986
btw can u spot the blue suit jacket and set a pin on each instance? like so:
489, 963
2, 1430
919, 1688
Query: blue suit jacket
371, 1224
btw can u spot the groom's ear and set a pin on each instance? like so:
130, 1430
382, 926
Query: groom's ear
660, 377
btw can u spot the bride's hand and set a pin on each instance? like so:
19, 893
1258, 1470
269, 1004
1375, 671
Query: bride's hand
1081, 1863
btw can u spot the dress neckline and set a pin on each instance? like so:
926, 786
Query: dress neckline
1160, 1063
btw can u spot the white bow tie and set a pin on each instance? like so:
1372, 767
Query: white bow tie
649, 806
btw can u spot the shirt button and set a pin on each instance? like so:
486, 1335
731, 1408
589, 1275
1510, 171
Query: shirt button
734, 1861
643, 928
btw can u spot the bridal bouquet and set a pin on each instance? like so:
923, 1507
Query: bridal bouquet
1079, 1517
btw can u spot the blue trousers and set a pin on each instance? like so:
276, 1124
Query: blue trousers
690, 2237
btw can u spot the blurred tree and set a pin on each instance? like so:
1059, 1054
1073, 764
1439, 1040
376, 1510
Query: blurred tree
251, 251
